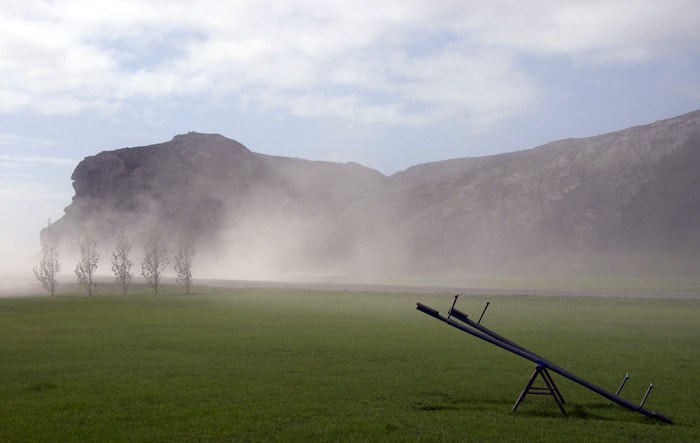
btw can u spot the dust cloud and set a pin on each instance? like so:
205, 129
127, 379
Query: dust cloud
272, 240
18, 284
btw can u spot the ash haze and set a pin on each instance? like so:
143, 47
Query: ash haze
385, 84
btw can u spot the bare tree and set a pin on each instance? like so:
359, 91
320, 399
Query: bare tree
121, 265
184, 255
86, 267
155, 257
49, 266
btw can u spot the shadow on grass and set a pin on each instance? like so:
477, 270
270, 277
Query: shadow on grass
598, 411
545, 408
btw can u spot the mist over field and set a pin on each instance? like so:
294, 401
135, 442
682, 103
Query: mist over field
18, 284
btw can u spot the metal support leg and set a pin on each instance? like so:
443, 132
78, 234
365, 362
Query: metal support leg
550, 389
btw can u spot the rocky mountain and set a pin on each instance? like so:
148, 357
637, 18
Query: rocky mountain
627, 202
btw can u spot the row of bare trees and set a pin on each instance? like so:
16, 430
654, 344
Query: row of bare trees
153, 265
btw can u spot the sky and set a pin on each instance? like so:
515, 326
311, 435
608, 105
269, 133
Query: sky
388, 84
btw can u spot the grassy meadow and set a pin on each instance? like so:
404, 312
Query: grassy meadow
294, 365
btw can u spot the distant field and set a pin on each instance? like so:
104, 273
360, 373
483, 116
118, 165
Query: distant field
227, 364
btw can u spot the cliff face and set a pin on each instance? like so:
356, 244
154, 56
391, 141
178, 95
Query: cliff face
626, 202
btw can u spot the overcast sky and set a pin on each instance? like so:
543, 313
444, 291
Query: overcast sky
388, 84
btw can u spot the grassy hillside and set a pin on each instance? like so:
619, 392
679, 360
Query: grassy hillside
292, 365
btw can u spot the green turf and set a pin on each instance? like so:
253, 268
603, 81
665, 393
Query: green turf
292, 365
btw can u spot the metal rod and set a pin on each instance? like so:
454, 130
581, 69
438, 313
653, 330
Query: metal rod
483, 312
517, 350
627, 377
453, 306
651, 385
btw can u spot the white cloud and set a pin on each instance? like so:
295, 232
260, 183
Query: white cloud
596, 30
401, 63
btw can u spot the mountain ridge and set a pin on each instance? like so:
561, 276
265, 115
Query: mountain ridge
623, 202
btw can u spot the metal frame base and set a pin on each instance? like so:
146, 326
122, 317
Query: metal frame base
550, 388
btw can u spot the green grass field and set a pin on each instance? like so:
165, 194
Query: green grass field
292, 365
